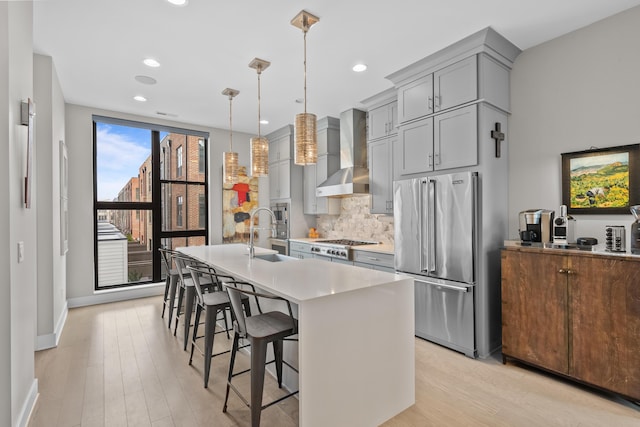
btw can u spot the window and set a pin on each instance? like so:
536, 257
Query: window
202, 211
179, 211
179, 161
144, 198
201, 158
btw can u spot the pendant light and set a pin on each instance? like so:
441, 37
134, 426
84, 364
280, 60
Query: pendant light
259, 145
230, 158
306, 145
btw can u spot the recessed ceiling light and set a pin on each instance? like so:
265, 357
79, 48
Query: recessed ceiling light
146, 80
264, 122
140, 98
150, 62
358, 68
178, 2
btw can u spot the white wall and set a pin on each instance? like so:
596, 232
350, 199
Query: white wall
18, 386
80, 264
51, 264
569, 94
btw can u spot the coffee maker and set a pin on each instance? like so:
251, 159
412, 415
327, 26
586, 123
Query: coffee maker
536, 225
564, 228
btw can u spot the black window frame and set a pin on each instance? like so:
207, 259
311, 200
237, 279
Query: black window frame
155, 206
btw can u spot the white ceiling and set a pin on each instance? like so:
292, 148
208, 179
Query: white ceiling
98, 46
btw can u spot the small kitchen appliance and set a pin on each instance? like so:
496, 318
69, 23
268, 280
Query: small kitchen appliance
281, 212
614, 238
536, 225
635, 230
564, 228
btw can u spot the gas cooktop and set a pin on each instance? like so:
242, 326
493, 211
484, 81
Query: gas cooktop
337, 248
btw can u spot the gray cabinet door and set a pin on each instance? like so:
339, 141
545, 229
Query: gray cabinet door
415, 99
381, 176
414, 150
455, 84
456, 138
382, 121
284, 179
309, 189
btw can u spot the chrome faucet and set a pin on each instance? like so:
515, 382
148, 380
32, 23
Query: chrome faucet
252, 251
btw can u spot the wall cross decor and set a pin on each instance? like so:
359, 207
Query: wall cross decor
498, 136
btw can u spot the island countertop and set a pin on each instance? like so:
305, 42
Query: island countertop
355, 349
296, 280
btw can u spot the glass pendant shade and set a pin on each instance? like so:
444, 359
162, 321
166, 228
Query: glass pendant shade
306, 147
230, 167
259, 156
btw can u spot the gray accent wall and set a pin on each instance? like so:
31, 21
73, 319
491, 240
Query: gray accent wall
18, 386
569, 94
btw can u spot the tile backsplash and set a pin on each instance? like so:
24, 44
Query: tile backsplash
356, 222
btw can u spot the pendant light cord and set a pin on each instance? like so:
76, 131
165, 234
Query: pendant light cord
230, 124
306, 28
259, 69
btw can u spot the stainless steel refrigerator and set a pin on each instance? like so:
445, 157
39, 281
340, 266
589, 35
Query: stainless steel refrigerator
435, 222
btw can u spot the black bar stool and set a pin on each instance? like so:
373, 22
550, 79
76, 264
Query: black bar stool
260, 330
171, 282
214, 301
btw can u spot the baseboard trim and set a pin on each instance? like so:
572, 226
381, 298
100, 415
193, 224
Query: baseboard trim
28, 405
120, 294
44, 342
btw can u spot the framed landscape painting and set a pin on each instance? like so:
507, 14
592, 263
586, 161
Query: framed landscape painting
602, 180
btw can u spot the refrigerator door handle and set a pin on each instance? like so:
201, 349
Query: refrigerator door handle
431, 227
422, 202
441, 285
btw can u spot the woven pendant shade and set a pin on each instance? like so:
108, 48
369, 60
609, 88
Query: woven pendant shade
306, 144
230, 167
259, 146
230, 158
306, 147
259, 156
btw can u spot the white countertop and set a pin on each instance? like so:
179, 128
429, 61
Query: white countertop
296, 280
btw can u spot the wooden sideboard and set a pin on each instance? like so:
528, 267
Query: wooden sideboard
574, 313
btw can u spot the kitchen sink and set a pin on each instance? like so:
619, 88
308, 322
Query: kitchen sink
275, 257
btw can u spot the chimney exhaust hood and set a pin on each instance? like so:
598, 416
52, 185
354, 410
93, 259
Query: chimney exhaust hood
353, 177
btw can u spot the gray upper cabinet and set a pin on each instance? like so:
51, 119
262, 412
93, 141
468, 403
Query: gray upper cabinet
381, 175
446, 88
455, 135
455, 85
280, 159
382, 121
415, 99
328, 137
413, 152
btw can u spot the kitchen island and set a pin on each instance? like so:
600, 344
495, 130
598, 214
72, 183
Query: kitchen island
356, 333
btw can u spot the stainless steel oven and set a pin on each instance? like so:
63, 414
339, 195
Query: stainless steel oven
280, 245
281, 212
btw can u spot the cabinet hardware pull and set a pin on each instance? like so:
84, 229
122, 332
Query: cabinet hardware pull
430, 102
430, 160
373, 258
562, 270
438, 100
570, 271
386, 125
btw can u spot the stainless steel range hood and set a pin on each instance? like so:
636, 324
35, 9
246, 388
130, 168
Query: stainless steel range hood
353, 177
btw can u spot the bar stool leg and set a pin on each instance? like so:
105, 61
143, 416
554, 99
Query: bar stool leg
258, 360
180, 298
188, 309
195, 331
277, 353
209, 330
232, 362
166, 293
172, 297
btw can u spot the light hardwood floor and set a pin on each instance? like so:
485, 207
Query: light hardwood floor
118, 365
